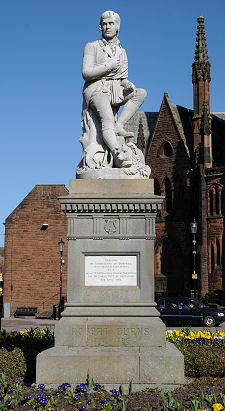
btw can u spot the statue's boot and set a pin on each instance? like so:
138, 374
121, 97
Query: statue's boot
110, 138
122, 155
129, 109
121, 132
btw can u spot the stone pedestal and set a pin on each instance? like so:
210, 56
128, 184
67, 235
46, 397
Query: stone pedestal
110, 325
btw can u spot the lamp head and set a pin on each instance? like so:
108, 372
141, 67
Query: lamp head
194, 226
61, 246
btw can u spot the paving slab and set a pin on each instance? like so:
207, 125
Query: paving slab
23, 323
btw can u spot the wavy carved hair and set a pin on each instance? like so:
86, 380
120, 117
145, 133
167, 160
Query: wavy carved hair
110, 13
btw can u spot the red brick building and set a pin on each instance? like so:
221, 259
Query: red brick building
1, 281
32, 258
186, 152
1, 267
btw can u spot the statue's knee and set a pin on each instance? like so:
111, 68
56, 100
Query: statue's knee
141, 93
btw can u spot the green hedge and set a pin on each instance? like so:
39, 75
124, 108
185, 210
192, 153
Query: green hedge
19, 351
204, 361
13, 364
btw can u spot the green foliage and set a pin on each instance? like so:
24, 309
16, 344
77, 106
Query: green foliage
203, 361
130, 387
107, 407
6, 393
34, 337
13, 364
89, 382
186, 330
222, 396
199, 403
122, 399
2, 251
13, 397
121, 391
30, 343
43, 401
169, 403
211, 397
204, 351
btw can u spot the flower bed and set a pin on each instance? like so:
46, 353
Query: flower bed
91, 396
203, 350
187, 336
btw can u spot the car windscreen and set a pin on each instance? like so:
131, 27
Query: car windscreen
197, 304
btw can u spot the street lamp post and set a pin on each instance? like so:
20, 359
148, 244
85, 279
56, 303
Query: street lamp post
62, 261
194, 228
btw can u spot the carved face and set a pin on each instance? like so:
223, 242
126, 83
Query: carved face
123, 156
109, 27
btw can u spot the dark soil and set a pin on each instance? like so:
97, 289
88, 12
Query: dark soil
139, 401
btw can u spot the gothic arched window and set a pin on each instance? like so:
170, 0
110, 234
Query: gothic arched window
165, 150
216, 197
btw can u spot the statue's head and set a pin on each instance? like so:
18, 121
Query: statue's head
123, 156
109, 24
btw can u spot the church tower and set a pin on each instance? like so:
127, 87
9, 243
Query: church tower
201, 80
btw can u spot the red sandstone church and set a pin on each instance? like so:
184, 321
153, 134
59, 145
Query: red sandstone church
186, 152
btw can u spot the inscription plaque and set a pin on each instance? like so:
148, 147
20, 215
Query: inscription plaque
111, 270
111, 336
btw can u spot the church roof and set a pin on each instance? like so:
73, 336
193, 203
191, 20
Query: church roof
183, 117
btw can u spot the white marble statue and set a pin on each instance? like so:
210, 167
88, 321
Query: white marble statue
105, 141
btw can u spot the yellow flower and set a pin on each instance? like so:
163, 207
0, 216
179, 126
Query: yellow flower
217, 407
176, 335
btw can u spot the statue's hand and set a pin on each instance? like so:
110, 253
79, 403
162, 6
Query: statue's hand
114, 63
129, 85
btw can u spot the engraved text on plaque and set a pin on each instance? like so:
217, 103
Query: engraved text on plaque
111, 270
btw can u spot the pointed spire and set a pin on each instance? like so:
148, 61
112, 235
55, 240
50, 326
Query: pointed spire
141, 137
201, 91
201, 65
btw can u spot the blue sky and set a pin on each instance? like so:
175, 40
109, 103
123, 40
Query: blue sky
41, 46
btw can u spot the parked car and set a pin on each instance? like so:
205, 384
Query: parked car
185, 311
